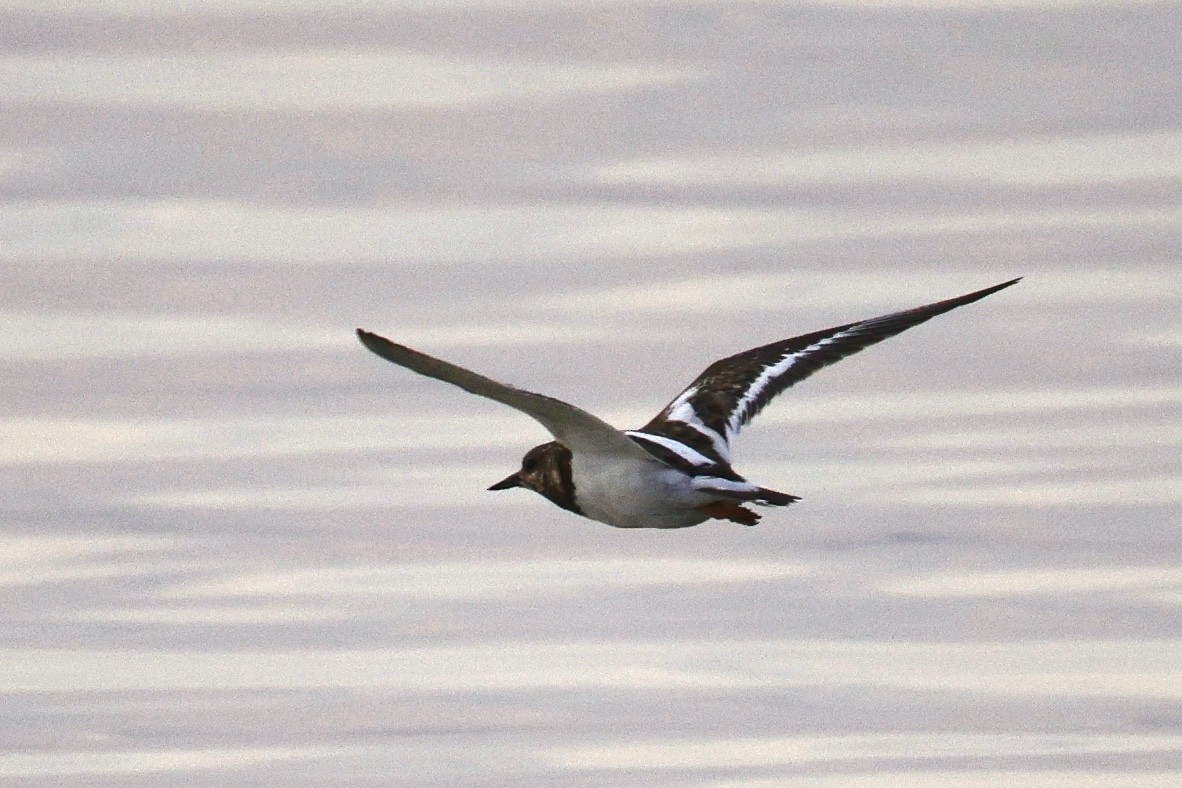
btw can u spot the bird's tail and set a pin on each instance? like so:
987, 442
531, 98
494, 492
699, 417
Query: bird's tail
765, 497
761, 496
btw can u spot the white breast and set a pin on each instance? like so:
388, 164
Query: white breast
635, 493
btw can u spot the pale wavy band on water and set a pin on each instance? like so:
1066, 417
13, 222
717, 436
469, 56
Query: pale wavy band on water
1109, 668
242, 233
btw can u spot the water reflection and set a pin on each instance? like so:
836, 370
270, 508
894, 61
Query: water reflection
1146, 668
876, 750
191, 230
485, 580
110, 336
1055, 161
306, 79
1147, 579
127, 763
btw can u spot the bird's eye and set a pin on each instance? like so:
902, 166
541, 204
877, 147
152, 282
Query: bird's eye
529, 464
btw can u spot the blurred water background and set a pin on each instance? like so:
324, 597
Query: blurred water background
235, 549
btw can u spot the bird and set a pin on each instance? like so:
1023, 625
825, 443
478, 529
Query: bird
675, 471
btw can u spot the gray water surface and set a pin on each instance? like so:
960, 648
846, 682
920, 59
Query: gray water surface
236, 549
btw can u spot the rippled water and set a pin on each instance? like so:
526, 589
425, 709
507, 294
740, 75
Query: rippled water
238, 549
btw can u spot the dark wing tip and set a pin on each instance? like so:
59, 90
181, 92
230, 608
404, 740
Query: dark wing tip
921, 314
372, 341
391, 351
979, 294
367, 339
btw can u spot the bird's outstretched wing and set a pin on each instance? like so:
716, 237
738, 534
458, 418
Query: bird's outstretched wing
701, 421
576, 428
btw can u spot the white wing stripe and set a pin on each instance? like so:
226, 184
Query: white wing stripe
686, 414
677, 447
739, 414
682, 398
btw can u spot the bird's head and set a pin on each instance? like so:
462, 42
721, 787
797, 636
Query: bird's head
546, 470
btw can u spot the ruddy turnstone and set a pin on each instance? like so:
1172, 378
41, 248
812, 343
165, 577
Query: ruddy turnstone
674, 471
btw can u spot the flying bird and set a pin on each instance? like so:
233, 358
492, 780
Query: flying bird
676, 470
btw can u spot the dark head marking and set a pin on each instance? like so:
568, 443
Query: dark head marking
546, 470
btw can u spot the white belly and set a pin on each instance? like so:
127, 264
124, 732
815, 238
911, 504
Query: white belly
635, 493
